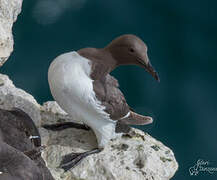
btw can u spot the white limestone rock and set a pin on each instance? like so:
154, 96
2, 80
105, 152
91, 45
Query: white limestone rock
9, 10
137, 156
52, 113
12, 97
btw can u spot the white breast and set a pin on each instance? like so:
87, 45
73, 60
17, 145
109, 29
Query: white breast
72, 88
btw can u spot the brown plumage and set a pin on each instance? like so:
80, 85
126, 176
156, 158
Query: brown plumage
80, 82
124, 50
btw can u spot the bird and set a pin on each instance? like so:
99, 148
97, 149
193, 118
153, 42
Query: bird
80, 82
20, 147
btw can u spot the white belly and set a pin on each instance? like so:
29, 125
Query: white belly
72, 88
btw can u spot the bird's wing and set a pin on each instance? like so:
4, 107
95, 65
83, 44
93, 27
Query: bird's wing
108, 92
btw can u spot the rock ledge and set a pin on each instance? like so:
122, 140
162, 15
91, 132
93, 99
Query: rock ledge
135, 156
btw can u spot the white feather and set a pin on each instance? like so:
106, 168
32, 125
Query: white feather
127, 115
72, 88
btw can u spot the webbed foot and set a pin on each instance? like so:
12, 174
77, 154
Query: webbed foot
73, 159
65, 125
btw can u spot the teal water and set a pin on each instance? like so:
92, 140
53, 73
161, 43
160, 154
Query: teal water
182, 42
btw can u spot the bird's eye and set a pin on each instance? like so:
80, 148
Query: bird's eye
131, 50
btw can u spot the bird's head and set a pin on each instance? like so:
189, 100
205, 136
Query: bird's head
129, 49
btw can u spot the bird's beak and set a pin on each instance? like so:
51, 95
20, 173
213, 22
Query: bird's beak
149, 68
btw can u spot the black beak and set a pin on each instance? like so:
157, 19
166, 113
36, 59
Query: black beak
149, 68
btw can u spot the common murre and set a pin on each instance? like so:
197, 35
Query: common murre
80, 83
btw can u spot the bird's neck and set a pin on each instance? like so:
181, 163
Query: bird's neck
102, 61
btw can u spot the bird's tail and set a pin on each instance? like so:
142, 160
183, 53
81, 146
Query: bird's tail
136, 119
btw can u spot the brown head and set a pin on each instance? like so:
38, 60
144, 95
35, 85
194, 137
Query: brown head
129, 49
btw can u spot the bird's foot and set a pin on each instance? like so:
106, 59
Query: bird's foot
73, 159
65, 125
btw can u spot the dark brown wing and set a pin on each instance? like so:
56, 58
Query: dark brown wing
108, 92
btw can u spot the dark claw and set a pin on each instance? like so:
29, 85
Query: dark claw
71, 160
65, 125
